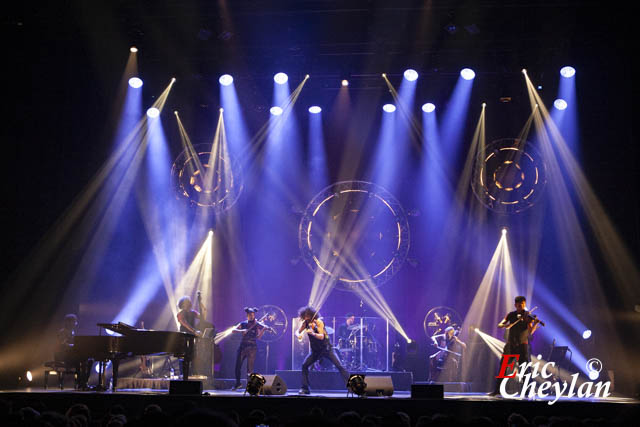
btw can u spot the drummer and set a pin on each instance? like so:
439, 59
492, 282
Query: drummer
344, 330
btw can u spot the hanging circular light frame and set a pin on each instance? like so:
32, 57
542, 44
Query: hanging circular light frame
439, 318
354, 232
509, 176
274, 316
193, 168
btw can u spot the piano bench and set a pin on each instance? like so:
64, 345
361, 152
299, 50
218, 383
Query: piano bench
60, 369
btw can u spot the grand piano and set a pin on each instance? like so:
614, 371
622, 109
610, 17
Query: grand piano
133, 342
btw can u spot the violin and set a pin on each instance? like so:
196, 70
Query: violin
532, 317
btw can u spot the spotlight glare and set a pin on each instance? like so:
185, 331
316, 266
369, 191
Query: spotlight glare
428, 107
504, 231
560, 104
345, 83
389, 108
173, 79
315, 109
384, 75
133, 49
524, 71
411, 75
29, 376
593, 375
225, 79
567, 72
484, 104
221, 109
280, 78
306, 76
586, 334
210, 232
135, 82
276, 111
539, 356
467, 74
153, 112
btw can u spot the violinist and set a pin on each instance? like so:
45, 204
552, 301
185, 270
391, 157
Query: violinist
251, 330
444, 365
520, 325
313, 326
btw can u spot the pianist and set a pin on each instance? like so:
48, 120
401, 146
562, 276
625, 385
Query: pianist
187, 317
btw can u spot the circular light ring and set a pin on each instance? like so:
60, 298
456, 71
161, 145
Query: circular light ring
389, 108
280, 78
439, 318
188, 174
560, 104
467, 74
567, 72
153, 112
411, 75
428, 108
275, 317
135, 82
379, 248
275, 111
225, 79
510, 176
315, 109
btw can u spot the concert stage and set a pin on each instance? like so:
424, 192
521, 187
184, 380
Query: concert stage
461, 406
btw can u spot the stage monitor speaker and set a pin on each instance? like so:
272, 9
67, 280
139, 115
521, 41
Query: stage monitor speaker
185, 387
274, 385
427, 391
379, 386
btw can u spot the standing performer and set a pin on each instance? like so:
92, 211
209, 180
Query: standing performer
313, 326
251, 331
520, 326
187, 317
444, 365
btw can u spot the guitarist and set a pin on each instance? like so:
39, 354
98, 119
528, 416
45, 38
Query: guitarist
313, 326
251, 331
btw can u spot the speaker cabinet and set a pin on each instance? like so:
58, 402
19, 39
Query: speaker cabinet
274, 385
185, 387
427, 391
379, 386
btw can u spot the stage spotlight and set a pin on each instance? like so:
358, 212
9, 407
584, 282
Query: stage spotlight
221, 110
255, 382
135, 82
428, 107
411, 75
484, 104
29, 376
539, 357
560, 104
133, 49
467, 74
586, 334
153, 112
504, 231
280, 78
593, 375
345, 83
357, 385
225, 79
524, 71
567, 72
315, 109
276, 111
389, 108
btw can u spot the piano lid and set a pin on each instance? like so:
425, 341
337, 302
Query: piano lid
119, 328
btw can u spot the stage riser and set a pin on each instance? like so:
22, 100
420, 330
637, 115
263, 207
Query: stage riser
329, 380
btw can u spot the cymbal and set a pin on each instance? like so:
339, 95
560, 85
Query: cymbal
329, 330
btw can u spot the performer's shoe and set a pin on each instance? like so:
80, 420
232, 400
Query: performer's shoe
236, 387
304, 391
494, 393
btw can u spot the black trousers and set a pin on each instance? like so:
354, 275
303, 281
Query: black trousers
317, 355
245, 352
524, 355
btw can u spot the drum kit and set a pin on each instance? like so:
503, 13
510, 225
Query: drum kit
357, 349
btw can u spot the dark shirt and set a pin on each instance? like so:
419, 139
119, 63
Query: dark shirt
250, 338
343, 334
518, 333
190, 318
319, 345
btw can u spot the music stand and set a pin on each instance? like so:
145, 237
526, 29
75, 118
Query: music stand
559, 355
